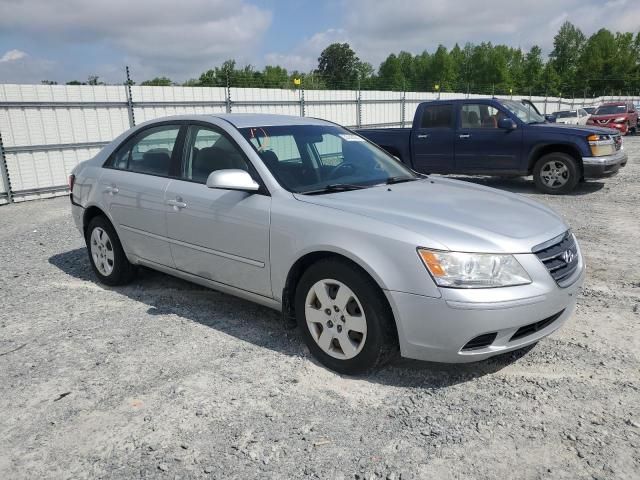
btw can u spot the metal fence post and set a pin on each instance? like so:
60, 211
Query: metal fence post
227, 97
403, 108
132, 118
359, 109
302, 112
4, 172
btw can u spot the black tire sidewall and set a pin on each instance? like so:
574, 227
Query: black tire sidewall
572, 166
122, 269
379, 341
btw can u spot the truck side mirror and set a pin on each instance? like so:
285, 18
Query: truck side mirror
507, 124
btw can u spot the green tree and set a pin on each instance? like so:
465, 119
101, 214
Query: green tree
550, 80
275, 77
338, 65
532, 70
441, 69
158, 82
567, 48
390, 75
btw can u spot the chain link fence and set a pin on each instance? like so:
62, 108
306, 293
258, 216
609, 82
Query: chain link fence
45, 130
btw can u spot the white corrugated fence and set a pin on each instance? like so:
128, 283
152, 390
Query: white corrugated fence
45, 130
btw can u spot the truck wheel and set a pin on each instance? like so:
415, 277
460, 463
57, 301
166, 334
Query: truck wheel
344, 318
556, 173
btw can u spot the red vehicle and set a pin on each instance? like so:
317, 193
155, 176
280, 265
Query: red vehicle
622, 116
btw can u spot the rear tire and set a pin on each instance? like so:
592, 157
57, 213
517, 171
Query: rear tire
556, 173
344, 318
108, 260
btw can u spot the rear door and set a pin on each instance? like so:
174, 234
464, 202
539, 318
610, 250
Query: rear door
432, 141
480, 146
133, 185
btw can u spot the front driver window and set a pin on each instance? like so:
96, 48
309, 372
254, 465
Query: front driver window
478, 115
208, 150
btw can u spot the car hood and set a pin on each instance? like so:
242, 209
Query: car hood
583, 130
609, 117
458, 215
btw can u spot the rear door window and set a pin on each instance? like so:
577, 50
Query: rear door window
149, 152
437, 116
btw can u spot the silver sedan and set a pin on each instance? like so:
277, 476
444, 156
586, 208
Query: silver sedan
365, 256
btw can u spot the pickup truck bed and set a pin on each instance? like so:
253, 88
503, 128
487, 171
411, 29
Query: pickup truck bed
393, 140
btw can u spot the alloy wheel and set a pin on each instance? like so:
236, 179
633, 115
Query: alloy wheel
102, 251
336, 319
554, 174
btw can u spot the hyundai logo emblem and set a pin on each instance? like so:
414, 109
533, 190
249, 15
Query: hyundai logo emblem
568, 256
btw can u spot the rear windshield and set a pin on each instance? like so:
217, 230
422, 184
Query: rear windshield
610, 109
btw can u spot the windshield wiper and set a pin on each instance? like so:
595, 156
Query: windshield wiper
399, 179
335, 187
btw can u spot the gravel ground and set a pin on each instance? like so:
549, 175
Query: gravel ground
164, 379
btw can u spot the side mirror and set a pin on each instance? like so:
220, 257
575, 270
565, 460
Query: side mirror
550, 118
507, 124
232, 179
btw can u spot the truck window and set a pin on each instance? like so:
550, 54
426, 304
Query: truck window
480, 115
437, 116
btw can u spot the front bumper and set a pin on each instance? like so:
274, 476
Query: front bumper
438, 329
597, 167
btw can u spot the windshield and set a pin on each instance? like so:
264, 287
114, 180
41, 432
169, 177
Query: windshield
566, 114
313, 158
610, 110
526, 113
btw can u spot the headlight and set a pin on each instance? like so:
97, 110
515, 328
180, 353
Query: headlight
620, 120
473, 270
601, 145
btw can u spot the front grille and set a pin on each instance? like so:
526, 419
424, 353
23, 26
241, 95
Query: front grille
560, 258
603, 121
535, 327
481, 341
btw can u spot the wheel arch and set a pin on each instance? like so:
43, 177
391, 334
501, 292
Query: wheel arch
542, 150
307, 260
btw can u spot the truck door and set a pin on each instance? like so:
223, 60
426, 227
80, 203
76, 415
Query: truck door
432, 139
481, 146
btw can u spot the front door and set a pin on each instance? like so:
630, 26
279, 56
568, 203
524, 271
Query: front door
133, 185
483, 147
432, 141
221, 235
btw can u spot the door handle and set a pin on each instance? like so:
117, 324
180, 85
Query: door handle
112, 189
177, 203
423, 135
464, 135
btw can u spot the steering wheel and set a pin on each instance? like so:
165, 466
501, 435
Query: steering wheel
342, 165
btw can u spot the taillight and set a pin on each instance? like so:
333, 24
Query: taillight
72, 181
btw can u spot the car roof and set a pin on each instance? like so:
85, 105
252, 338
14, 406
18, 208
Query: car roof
243, 120
614, 104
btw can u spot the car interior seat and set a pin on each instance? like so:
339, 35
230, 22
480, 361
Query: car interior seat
473, 120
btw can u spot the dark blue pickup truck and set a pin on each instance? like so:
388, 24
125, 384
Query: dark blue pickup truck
502, 137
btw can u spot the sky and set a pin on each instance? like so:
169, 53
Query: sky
64, 40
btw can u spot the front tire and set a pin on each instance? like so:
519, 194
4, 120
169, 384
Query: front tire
344, 318
108, 260
556, 173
